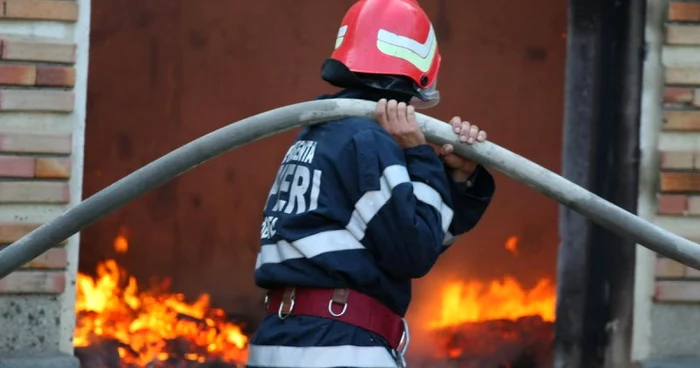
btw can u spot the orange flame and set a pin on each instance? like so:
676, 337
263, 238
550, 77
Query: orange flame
110, 307
474, 301
121, 244
512, 245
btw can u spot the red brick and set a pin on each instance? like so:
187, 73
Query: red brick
682, 120
17, 75
16, 166
684, 12
12, 231
55, 76
53, 259
35, 143
683, 75
677, 291
60, 10
678, 95
38, 51
53, 168
682, 34
33, 282
680, 182
669, 204
34, 192
694, 205
36, 100
668, 268
675, 160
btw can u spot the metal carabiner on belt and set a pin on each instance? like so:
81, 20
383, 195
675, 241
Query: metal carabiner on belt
282, 315
403, 345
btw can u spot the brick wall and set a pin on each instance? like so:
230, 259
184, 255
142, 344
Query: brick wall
678, 203
42, 110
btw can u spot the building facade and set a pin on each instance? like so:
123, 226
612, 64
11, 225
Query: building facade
43, 81
43, 75
667, 295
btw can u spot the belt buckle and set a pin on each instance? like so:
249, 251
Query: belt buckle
403, 344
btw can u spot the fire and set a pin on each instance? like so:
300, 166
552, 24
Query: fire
121, 243
147, 323
474, 317
512, 245
144, 323
474, 301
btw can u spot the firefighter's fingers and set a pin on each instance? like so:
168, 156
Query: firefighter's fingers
446, 149
452, 160
380, 111
391, 112
471, 135
401, 116
481, 136
397, 124
411, 116
464, 129
456, 123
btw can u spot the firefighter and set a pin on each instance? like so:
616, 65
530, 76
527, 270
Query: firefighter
361, 207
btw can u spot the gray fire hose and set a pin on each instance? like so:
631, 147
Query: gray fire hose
286, 118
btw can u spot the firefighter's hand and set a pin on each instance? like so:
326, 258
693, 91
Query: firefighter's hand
468, 133
399, 120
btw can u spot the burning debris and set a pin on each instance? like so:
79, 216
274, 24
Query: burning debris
499, 325
477, 325
522, 343
475, 301
121, 326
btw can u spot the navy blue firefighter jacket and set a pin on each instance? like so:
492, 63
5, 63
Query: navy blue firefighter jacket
351, 209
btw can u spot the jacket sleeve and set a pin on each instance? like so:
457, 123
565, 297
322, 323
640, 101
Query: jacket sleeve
469, 200
404, 205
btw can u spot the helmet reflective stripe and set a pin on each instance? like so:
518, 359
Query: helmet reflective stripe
421, 55
341, 36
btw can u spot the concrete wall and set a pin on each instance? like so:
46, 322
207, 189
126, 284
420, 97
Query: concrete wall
667, 305
43, 77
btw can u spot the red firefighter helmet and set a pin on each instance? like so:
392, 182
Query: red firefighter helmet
391, 38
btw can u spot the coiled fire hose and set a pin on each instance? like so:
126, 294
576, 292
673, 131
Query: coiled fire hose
290, 117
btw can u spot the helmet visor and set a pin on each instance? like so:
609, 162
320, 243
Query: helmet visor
428, 97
